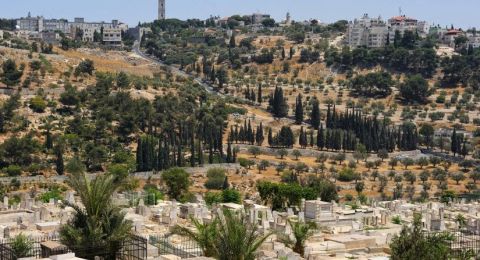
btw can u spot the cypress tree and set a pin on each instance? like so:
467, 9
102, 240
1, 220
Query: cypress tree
299, 110
232, 43
48, 140
60, 168
226, 184
260, 135
192, 147
234, 157
301, 138
315, 114
454, 142
311, 139
212, 74
270, 137
320, 138
2, 121
280, 106
139, 156
229, 153
200, 153
253, 98
464, 148
259, 95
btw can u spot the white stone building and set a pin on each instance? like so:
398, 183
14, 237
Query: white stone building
368, 32
403, 23
375, 32
112, 36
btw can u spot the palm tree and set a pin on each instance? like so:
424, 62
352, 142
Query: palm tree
237, 238
97, 225
204, 235
301, 232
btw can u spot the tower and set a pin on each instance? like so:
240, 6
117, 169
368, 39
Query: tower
161, 9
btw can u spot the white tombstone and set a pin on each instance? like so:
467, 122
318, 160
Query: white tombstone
5, 202
252, 214
301, 216
269, 215
290, 212
70, 197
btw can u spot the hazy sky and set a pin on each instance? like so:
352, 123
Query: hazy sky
461, 13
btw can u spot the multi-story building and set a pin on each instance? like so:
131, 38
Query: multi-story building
56, 25
375, 32
403, 23
29, 23
88, 34
473, 39
368, 32
112, 36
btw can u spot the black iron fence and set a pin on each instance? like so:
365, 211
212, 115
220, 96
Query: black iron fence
463, 244
133, 248
176, 245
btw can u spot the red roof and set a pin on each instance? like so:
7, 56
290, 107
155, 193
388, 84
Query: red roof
453, 32
402, 18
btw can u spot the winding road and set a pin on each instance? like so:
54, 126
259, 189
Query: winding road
209, 88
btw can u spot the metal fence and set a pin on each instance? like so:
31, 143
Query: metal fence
179, 246
6, 253
462, 243
133, 248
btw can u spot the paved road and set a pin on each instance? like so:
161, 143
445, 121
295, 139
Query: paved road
209, 88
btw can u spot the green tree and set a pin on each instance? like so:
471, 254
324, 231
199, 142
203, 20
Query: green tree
11, 75
299, 110
177, 181
123, 81
296, 153
254, 150
315, 114
415, 89
413, 243
86, 66
282, 153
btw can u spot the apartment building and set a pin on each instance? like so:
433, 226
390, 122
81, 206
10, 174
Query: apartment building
403, 23
29, 23
112, 36
368, 32
375, 32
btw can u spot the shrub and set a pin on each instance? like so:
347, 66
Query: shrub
51, 194
153, 195
22, 246
213, 198
231, 196
38, 104
347, 175
13, 170
215, 178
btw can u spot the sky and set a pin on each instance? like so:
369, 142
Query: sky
460, 13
